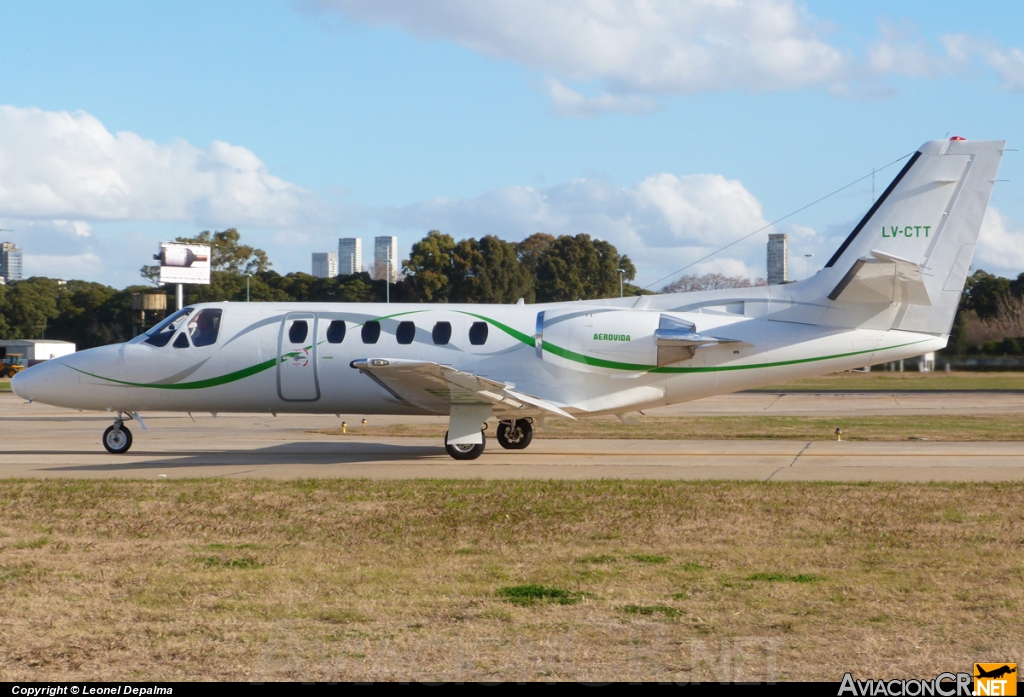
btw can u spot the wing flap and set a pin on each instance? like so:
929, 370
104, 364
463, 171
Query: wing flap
437, 387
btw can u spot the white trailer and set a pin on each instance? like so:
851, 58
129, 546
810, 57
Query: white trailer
35, 350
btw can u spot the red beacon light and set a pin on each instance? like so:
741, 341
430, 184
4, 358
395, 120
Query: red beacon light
957, 138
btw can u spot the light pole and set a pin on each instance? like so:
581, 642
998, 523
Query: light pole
387, 281
621, 272
247, 277
807, 265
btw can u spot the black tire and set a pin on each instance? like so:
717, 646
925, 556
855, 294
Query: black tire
117, 439
515, 436
465, 452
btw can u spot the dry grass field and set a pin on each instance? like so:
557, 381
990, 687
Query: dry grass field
881, 381
941, 427
506, 580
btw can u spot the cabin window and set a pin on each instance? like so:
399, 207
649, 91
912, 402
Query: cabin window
406, 332
371, 332
336, 331
442, 333
478, 333
181, 341
298, 332
162, 333
204, 327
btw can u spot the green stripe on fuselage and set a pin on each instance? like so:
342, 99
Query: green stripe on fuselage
524, 339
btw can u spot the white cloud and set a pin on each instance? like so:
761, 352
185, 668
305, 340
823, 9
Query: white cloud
1008, 63
66, 266
568, 102
631, 46
1000, 247
633, 51
662, 223
79, 228
68, 166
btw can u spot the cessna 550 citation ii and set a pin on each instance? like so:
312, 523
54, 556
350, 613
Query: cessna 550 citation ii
889, 292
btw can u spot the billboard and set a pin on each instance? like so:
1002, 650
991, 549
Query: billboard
184, 263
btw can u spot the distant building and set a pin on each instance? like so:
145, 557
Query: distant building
35, 350
777, 259
385, 258
350, 255
10, 262
325, 264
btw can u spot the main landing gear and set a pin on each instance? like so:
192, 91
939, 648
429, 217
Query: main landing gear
465, 451
515, 435
512, 435
117, 439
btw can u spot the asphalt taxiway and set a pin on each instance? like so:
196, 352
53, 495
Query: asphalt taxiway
44, 441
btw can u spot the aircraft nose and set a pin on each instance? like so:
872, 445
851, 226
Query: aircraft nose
44, 382
26, 383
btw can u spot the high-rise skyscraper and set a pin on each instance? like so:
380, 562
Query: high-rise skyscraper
325, 264
10, 262
350, 255
777, 259
385, 258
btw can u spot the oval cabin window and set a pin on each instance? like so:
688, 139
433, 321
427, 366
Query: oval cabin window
478, 333
298, 332
371, 332
336, 331
406, 332
442, 333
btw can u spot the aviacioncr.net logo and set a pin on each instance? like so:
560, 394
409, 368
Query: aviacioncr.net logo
944, 685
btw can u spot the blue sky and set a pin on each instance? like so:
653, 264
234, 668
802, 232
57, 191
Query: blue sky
668, 127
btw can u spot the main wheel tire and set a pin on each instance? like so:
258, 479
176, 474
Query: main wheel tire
515, 436
117, 439
465, 451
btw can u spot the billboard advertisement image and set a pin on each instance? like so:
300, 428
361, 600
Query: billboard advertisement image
184, 263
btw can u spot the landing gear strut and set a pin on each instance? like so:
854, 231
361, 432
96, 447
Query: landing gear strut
515, 435
465, 451
117, 439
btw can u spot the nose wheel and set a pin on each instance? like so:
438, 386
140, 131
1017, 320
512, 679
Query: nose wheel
117, 439
515, 435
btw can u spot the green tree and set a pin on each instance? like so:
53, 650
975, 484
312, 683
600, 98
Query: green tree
580, 268
29, 306
1017, 286
530, 250
429, 268
489, 271
983, 291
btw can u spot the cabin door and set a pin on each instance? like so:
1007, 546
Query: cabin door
296, 365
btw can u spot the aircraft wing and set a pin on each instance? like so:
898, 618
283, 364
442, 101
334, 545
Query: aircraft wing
437, 387
882, 278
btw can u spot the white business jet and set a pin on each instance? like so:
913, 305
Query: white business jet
889, 292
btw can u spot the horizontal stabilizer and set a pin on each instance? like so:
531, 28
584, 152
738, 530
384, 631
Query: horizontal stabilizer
882, 278
437, 387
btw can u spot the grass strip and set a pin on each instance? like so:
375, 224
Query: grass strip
882, 381
578, 580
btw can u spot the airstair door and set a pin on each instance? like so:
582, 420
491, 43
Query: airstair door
297, 379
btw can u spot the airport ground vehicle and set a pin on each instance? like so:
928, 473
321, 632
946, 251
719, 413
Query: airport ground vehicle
13, 364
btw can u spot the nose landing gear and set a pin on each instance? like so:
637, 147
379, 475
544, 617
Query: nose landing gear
117, 439
515, 435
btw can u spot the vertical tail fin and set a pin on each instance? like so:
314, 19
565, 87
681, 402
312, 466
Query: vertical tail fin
929, 218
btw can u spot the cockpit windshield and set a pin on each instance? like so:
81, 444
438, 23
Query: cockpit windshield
162, 333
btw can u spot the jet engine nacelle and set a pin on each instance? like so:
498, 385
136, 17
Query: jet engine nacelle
611, 341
